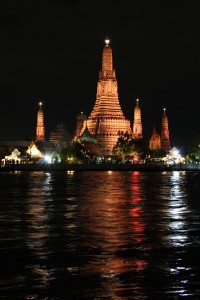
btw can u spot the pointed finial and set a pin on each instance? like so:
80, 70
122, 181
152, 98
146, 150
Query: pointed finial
107, 41
40, 104
137, 101
164, 110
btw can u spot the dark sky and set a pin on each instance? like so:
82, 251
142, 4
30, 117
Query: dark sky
51, 50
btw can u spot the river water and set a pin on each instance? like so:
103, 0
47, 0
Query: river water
99, 235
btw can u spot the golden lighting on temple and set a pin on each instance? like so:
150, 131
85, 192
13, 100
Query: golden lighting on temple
106, 119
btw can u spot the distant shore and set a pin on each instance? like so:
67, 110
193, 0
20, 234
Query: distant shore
101, 167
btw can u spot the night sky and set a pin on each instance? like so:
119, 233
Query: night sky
51, 51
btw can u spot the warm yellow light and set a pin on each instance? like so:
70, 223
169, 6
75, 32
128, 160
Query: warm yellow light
107, 41
70, 172
70, 158
34, 151
40, 103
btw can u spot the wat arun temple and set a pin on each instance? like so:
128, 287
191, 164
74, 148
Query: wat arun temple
106, 122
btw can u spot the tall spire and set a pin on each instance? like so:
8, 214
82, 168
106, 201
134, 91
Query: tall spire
107, 119
107, 62
40, 129
107, 102
165, 143
137, 123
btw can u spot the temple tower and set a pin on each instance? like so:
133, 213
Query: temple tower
154, 143
60, 136
40, 129
165, 143
107, 119
137, 122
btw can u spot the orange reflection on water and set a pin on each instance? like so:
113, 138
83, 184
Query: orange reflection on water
111, 231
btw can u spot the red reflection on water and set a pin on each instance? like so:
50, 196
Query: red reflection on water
135, 212
140, 265
137, 215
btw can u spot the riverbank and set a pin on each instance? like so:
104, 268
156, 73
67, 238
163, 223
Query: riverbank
100, 167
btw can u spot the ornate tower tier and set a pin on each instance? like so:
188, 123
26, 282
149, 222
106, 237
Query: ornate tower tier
137, 123
165, 143
40, 129
107, 119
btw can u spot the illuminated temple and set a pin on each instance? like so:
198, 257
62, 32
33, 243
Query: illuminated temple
101, 130
162, 141
106, 121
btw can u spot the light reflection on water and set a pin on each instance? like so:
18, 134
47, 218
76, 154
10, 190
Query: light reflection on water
99, 235
178, 211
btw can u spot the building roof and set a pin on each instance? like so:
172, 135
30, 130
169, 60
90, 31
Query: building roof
92, 148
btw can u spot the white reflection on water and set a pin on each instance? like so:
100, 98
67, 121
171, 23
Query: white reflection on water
46, 184
178, 226
177, 211
37, 232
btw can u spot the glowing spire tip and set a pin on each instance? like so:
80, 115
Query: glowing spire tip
107, 41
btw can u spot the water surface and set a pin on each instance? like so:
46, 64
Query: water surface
99, 235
